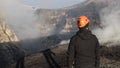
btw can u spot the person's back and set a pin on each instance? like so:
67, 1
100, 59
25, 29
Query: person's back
83, 49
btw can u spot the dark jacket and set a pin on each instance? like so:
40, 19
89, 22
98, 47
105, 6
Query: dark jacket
83, 50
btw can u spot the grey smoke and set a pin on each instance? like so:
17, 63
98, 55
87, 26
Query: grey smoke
110, 21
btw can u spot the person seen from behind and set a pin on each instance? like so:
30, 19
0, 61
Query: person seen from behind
83, 49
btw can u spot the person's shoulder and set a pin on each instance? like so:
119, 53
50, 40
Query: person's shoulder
94, 36
73, 37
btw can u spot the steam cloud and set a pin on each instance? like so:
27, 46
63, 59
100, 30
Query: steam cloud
110, 21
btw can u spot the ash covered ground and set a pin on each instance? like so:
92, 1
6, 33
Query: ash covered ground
109, 58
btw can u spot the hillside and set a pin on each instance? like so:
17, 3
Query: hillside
56, 26
89, 8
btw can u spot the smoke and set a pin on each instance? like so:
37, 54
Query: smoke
109, 34
30, 32
22, 20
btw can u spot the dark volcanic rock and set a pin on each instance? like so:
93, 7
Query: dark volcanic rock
9, 50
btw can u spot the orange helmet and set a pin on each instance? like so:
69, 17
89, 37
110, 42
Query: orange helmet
82, 21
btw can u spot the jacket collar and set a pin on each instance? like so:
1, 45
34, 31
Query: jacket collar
84, 34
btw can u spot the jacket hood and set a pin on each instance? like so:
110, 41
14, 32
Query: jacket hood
84, 34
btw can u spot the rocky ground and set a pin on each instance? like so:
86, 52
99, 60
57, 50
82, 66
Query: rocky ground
38, 60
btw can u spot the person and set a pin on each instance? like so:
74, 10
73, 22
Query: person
83, 49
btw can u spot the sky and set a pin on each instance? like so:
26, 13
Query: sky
50, 3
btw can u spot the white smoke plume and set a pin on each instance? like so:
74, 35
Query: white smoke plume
22, 20
110, 21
